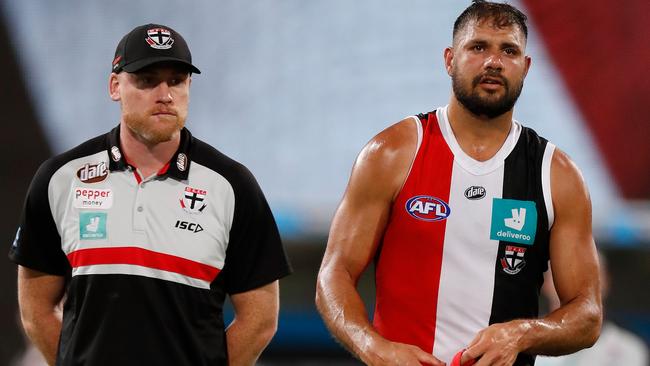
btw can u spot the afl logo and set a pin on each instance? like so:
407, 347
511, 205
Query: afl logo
475, 193
428, 208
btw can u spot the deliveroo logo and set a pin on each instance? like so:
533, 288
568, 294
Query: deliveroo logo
517, 220
92, 225
514, 221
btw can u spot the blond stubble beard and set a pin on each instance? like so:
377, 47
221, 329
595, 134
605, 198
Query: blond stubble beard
152, 133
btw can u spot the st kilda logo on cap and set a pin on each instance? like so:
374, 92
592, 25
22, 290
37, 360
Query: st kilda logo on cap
159, 38
93, 173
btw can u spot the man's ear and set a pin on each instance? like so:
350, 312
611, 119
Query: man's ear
114, 87
449, 57
528, 61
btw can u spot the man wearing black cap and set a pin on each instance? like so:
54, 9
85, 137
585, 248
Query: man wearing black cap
143, 231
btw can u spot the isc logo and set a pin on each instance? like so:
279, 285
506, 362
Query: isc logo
427, 208
188, 226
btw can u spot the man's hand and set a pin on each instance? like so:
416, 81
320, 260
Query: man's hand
496, 345
388, 353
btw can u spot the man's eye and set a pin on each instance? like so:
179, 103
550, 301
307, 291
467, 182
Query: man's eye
145, 80
478, 48
510, 51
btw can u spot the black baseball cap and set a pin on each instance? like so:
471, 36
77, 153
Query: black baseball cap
149, 44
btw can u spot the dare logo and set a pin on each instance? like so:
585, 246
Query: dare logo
93, 173
475, 193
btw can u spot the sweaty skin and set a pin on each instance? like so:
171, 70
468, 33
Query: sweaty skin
378, 175
358, 225
576, 323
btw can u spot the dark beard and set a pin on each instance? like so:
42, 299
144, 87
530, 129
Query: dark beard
483, 107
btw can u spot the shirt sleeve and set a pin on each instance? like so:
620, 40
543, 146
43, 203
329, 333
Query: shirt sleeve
255, 255
37, 244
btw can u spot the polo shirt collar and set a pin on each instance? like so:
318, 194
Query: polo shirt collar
178, 167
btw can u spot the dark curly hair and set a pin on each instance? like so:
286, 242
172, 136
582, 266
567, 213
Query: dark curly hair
500, 14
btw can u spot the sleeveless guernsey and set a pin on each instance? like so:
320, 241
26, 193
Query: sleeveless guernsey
467, 242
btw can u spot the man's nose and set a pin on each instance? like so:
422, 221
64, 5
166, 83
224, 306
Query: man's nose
164, 92
494, 61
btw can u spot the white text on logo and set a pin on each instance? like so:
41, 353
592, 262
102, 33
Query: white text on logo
93, 173
426, 207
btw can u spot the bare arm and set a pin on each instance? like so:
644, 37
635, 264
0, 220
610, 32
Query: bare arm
357, 227
574, 261
39, 295
255, 323
576, 323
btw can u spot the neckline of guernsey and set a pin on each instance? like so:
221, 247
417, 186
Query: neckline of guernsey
468, 163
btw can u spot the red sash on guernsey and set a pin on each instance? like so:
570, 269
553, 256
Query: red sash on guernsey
408, 268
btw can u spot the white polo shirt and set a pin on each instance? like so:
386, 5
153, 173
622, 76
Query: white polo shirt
148, 258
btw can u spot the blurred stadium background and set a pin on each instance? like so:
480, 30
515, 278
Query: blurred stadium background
293, 89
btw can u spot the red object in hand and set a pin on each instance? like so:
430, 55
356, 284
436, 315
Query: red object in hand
456, 360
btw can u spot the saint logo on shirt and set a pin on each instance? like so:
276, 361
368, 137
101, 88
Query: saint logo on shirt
193, 199
513, 261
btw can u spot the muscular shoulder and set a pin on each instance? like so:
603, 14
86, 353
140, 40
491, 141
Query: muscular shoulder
387, 157
392, 143
565, 174
567, 184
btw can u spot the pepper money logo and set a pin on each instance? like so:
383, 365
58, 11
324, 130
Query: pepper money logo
427, 208
93, 198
